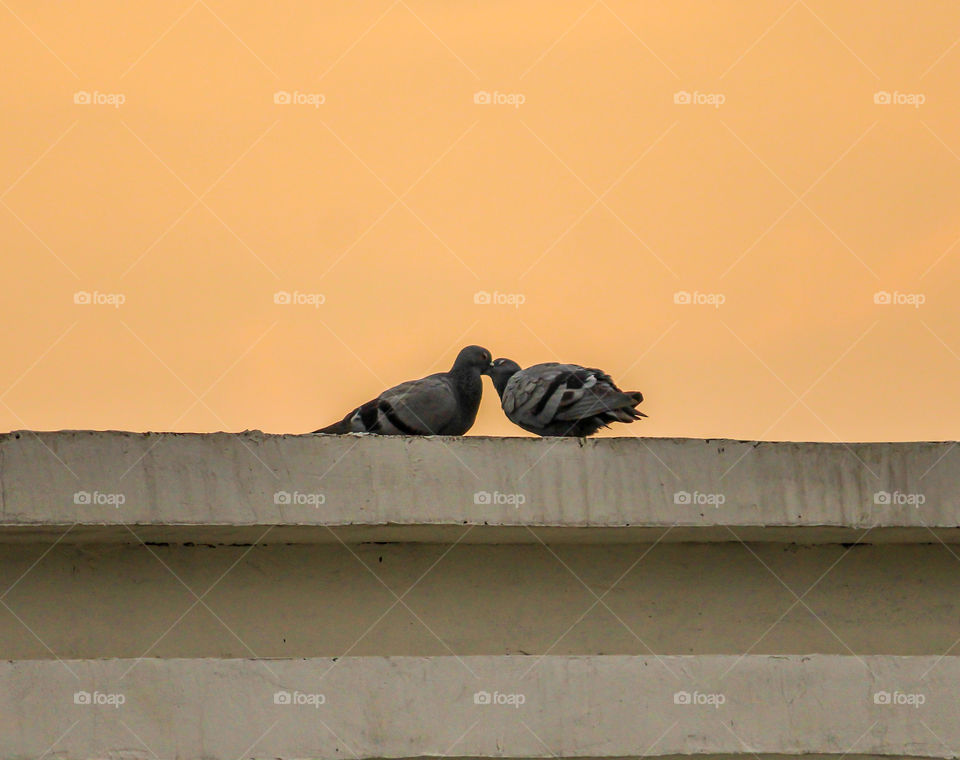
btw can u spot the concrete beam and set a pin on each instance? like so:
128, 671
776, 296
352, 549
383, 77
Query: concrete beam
227, 488
518, 707
127, 600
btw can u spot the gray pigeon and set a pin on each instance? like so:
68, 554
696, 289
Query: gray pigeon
442, 404
561, 399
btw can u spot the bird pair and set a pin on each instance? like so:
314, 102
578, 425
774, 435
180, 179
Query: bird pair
547, 399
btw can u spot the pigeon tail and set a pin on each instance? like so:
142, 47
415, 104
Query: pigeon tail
337, 428
637, 397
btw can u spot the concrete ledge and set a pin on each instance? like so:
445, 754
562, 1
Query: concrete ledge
230, 488
601, 707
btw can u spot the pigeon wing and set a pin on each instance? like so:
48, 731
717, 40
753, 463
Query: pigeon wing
418, 407
533, 395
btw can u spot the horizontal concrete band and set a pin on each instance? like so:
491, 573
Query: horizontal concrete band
233, 487
372, 707
273, 534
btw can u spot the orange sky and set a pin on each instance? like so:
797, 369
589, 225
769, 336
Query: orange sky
187, 191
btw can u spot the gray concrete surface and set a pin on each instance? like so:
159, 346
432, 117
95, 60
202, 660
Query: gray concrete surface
538, 707
112, 600
226, 487
583, 584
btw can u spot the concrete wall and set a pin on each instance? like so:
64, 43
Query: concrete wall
277, 601
377, 707
808, 578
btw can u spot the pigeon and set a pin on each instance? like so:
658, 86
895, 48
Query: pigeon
442, 404
555, 399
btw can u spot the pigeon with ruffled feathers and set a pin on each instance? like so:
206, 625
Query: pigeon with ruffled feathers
555, 399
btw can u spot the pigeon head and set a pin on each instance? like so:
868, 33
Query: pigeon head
473, 357
501, 371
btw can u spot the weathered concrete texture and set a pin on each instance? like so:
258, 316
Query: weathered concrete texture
113, 600
425, 483
539, 707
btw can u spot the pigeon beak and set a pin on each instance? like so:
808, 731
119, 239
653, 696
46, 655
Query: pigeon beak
486, 370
